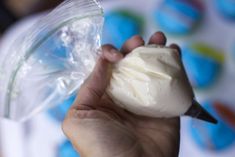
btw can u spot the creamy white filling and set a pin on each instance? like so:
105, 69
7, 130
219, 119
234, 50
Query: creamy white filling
151, 81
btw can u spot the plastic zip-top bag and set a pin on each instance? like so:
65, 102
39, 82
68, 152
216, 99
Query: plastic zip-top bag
50, 61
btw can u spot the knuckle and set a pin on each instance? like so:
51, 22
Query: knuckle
107, 47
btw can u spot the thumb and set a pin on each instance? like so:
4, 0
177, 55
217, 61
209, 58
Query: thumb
94, 87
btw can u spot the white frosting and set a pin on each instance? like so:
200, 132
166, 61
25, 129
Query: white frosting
151, 81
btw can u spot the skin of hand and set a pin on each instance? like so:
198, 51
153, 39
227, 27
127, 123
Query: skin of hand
99, 128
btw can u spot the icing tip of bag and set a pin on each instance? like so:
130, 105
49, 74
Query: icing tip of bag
198, 112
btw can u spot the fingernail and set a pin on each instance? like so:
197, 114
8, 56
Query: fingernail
158, 38
113, 55
159, 33
136, 36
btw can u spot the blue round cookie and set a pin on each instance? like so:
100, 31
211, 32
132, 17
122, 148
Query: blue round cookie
120, 26
67, 150
179, 17
203, 64
213, 136
59, 112
226, 8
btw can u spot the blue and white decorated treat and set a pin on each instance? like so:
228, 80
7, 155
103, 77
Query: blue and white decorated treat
203, 64
215, 136
67, 150
179, 17
59, 112
226, 8
121, 25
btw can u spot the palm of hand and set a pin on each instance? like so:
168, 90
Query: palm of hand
97, 127
119, 133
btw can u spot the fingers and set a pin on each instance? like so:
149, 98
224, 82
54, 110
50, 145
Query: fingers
158, 38
131, 44
175, 46
94, 87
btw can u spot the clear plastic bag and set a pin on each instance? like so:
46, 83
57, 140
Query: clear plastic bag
49, 62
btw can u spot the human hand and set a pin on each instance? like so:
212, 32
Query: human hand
99, 128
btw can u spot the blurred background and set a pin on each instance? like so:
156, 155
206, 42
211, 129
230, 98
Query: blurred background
205, 30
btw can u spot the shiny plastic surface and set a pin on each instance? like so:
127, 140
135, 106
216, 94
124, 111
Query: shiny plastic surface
50, 61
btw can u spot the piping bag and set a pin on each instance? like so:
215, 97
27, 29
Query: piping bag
151, 81
49, 62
